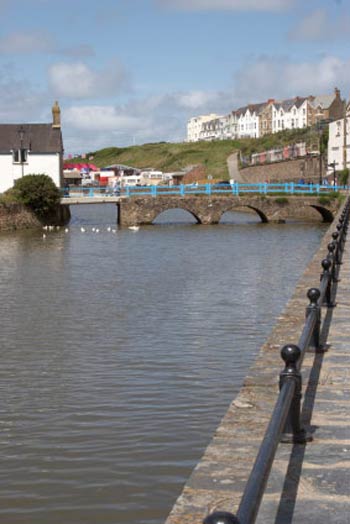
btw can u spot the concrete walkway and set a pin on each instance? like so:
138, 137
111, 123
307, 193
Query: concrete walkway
233, 170
309, 484
316, 477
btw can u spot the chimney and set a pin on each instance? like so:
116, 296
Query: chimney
56, 116
337, 92
271, 101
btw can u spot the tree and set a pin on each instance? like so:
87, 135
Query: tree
38, 192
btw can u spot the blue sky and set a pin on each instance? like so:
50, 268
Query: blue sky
134, 71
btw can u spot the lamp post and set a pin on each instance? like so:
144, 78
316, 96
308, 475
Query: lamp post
21, 132
319, 128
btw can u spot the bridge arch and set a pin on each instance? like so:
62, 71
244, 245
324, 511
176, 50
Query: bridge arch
234, 208
180, 208
326, 214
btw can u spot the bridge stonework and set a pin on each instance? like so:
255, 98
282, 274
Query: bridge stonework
209, 209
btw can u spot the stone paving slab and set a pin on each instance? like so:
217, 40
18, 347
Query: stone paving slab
308, 483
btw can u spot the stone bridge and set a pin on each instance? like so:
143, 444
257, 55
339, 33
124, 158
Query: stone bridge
208, 209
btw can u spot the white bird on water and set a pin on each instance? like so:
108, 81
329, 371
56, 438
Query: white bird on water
134, 228
109, 229
82, 229
66, 230
44, 236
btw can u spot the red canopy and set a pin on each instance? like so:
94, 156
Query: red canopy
90, 167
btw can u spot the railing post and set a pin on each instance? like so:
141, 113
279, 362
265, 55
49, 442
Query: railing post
293, 432
208, 189
182, 189
127, 191
154, 191
292, 187
326, 264
335, 236
314, 308
237, 188
221, 517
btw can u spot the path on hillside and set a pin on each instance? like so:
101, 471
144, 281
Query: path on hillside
232, 165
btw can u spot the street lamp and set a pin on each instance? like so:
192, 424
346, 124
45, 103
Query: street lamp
21, 132
319, 128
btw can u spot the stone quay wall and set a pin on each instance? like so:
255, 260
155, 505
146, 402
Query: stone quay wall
17, 216
218, 480
287, 171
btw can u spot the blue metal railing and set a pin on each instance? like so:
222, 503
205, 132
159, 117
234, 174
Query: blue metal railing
289, 188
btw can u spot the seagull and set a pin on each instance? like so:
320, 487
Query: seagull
97, 230
109, 228
44, 236
45, 227
134, 228
93, 229
66, 230
114, 230
82, 230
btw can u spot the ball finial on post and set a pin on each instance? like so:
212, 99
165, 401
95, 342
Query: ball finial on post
221, 517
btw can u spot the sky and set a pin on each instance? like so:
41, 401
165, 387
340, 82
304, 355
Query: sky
134, 71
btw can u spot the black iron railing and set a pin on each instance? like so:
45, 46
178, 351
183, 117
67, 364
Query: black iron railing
285, 423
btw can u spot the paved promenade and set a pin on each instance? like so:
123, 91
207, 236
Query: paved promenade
308, 483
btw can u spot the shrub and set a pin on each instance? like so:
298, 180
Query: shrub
343, 177
324, 201
38, 192
281, 200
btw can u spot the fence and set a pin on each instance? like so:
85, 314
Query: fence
285, 424
201, 189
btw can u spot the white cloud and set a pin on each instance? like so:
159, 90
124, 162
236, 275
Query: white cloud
39, 41
102, 118
280, 77
26, 42
232, 5
318, 25
77, 80
20, 101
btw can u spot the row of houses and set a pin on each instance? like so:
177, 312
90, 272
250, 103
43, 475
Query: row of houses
256, 120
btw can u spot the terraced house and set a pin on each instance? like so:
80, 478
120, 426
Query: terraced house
272, 116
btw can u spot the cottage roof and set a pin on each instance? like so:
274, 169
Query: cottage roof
287, 104
38, 138
323, 101
253, 108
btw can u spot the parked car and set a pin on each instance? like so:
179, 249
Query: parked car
223, 184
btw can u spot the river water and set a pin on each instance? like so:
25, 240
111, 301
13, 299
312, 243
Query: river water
120, 353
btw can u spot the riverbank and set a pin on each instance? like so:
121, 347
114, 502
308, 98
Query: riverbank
15, 216
218, 480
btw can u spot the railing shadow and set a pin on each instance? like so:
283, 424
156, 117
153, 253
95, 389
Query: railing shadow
288, 498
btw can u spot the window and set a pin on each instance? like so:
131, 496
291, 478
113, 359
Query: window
19, 156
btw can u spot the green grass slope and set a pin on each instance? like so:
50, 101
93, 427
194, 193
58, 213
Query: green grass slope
213, 156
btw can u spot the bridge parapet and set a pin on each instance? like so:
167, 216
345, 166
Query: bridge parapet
209, 209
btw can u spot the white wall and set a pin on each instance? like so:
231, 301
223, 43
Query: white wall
48, 164
336, 144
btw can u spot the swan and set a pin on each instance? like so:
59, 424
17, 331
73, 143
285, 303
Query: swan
134, 228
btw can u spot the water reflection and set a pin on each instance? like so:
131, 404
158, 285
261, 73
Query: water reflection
121, 353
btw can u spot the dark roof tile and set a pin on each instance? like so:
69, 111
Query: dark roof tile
39, 138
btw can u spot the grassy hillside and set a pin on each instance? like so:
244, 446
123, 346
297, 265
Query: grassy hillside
170, 157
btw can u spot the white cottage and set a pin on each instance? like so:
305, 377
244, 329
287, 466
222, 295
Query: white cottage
339, 143
27, 149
